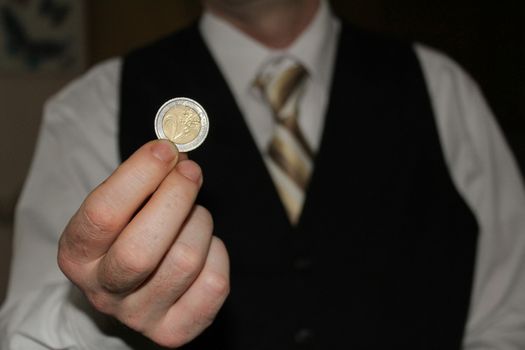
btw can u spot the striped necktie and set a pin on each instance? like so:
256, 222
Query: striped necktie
289, 157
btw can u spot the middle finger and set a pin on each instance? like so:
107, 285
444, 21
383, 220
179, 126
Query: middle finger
142, 244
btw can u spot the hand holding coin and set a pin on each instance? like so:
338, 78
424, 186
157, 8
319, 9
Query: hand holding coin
183, 121
142, 251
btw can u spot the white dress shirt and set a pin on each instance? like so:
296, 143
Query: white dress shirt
78, 148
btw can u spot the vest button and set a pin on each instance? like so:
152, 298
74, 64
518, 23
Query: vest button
302, 264
303, 336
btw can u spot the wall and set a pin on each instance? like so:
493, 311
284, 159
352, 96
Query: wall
31, 77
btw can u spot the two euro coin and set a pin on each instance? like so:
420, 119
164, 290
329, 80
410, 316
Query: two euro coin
183, 121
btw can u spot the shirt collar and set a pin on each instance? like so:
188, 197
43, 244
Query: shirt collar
240, 57
310, 47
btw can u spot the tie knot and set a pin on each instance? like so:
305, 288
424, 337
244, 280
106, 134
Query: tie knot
281, 83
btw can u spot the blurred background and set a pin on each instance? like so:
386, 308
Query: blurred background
44, 44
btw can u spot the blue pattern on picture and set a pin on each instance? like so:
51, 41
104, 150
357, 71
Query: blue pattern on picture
33, 52
55, 11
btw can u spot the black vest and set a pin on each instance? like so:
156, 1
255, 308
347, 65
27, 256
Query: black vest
383, 255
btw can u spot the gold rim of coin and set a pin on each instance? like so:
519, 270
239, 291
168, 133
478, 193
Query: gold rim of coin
183, 121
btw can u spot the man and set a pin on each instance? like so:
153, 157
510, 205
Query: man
408, 233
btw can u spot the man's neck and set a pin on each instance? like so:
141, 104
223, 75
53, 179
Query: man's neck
274, 23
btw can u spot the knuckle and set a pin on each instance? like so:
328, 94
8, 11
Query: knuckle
186, 259
180, 188
169, 336
99, 216
64, 263
122, 270
132, 264
204, 216
170, 341
134, 320
216, 283
69, 264
102, 302
120, 308
141, 175
174, 337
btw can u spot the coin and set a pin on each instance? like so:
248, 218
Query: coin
183, 121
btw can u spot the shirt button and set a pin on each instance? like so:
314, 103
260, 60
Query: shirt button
303, 336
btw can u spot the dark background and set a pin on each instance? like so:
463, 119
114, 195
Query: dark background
486, 37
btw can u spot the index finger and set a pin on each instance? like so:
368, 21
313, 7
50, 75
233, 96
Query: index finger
109, 208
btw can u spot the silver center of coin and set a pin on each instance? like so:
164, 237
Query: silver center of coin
183, 121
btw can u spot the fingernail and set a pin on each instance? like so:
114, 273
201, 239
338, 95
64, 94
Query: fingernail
189, 169
164, 151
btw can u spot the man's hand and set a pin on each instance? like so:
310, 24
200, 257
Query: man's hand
144, 253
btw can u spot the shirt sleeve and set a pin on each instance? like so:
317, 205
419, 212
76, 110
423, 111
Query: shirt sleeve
75, 151
486, 174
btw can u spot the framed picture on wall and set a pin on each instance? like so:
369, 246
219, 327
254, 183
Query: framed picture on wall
42, 36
